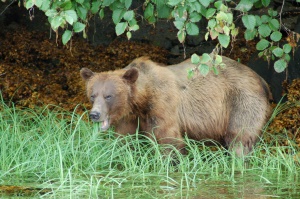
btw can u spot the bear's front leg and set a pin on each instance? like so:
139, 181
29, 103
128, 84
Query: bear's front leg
166, 131
127, 126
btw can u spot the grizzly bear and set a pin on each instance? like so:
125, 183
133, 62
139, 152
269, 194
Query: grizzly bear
231, 107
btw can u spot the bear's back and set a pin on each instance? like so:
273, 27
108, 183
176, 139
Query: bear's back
214, 97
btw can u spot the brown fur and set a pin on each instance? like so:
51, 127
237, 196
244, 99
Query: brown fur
231, 107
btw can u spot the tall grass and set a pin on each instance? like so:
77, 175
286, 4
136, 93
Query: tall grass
67, 155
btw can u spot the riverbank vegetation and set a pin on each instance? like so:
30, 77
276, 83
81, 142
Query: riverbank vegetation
49, 152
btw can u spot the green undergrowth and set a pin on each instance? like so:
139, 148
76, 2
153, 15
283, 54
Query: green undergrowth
66, 156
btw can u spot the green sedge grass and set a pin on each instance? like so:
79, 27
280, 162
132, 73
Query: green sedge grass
67, 155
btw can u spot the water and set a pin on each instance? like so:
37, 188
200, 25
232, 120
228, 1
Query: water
250, 185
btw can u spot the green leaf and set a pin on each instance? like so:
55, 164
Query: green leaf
192, 29
128, 35
132, 22
260, 54
129, 15
195, 59
180, 12
67, 5
134, 27
95, 6
224, 40
179, 24
258, 20
174, 2
215, 70
218, 60
276, 36
78, 27
205, 58
257, 4
29, 4
70, 16
265, 2
51, 13
117, 5
69, 19
287, 57
278, 52
195, 17
272, 48
195, 6
149, 11
45, 6
56, 22
287, 48
272, 13
210, 12
120, 28
229, 18
38, 3
265, 18
117, 15
249, 21
223, 8
213, 34
101, 13
280, 65
181, 36
107, 2
203, 10
244, 5
66, 36
222, 16
128, 3
250, 34
234, 32
226, 30
264, 30
212, 23
274, 24
86, 4
163, 11
218, 4
262, 44
80, 1
152, 20
206, 36
205, 3
190, 73
81, 12
203, 69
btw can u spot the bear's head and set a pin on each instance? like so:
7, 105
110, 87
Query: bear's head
110, 93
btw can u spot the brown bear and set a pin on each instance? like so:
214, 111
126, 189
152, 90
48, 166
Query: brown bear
231, 107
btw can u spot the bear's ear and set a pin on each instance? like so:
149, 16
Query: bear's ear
86, 73
131, 75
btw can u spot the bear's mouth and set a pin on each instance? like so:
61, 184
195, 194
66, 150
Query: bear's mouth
105, 124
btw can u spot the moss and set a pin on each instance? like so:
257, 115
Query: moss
36, 71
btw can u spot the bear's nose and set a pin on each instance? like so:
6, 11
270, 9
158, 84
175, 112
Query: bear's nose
94, 115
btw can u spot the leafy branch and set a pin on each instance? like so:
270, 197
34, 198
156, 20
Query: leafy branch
73, 16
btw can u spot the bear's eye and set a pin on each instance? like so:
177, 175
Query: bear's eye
92, 98
107, 97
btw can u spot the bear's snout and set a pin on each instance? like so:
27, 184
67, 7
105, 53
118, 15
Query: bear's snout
95, 116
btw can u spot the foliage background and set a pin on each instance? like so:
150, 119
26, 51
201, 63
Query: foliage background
73, 17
